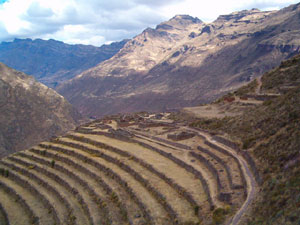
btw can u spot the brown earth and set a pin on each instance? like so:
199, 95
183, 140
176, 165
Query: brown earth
184, 62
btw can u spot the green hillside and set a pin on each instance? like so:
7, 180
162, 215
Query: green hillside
270, 132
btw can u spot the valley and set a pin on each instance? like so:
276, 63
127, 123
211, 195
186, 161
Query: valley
185, 62
187, 123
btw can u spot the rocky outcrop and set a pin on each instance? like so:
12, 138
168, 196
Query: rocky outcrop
30, 112
184, 62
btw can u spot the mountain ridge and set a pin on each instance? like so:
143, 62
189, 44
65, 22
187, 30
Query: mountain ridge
52, 62
168, 68
30, 111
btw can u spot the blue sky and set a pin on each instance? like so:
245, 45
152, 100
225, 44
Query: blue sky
100, 21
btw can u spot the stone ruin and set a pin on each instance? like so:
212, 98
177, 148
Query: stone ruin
180, 136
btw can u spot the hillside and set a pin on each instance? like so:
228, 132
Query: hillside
126, 169
185, 62
52, 62
168, 168
30, 112
270, 132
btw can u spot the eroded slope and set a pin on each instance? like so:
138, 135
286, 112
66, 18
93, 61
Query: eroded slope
30, 111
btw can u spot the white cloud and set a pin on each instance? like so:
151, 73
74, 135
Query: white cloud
210, 10
99, 21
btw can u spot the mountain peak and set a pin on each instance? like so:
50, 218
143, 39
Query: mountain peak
179, 21
186, 17
235, 16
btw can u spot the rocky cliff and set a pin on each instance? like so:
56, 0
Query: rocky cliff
30, 111
52, 62
184, 62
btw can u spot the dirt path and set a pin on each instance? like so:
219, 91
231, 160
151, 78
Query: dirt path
259, 84
251, 184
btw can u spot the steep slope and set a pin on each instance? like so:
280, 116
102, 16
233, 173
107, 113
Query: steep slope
30, 111
52, 62
184, 62
270, 132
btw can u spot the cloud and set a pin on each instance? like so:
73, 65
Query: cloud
210, 10
36, 10
99, 21
157, 3
3, 33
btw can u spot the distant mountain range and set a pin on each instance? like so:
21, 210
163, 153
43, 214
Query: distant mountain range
185, 62
182, 62
30, 112
52, 62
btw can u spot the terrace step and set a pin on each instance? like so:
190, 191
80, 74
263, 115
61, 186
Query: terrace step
3, 215
238, 172
156, 210
14, 210
93, 206
167, 166
101, 189
24, 182
181, 205
109, 181
76, 214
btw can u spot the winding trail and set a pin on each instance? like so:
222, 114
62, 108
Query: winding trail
259, 84
251, 184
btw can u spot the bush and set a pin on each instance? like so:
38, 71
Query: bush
6, 173
196, 209
2, 171
219, 215
52, 163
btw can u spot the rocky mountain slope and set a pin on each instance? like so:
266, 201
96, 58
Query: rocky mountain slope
30, 111
52, 62
270, 132
184, 62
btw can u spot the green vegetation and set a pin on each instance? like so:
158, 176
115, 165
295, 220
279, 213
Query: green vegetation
52, 163
286, 74
249, 88
4, 172
271, 133
196, 209
210, 124
219, 215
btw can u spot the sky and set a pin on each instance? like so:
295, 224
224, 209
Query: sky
97, 22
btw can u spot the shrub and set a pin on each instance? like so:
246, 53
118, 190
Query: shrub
219, 215
2, 171
6, 173
31, 167
196, 209
52, 163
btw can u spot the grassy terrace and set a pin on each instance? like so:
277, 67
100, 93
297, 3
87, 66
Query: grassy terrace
92, 176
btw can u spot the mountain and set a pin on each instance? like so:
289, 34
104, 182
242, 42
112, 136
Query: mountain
52, 62
30, 111
169, 168
269, 132
185, 62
